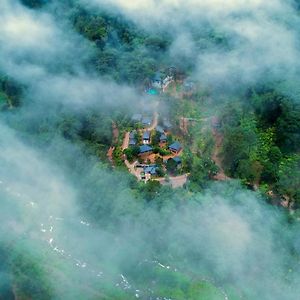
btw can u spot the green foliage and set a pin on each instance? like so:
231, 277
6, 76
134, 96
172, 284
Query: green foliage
267, 107
289, 178
4, 101
171, 166
156, 43
161, 151
118, 156
160, 172
10, 92
93, 27
155, 139
261, 140
34, 3
150, 190
288, 128
132, 153
176, 285
240, 144
204, 291
281, 113
201, 170
260, 134
249, 171
22, 275
123, 51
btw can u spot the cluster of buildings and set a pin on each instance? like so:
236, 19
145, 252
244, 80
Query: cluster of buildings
146, 149
144, 142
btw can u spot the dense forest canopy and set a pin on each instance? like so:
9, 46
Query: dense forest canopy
75, 223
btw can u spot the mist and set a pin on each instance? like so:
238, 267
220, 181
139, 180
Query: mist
233, 240
226, 236
262, 37
50, 59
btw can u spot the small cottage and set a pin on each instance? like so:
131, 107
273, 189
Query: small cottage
146, 121
146, 138
163, 140
151, 169
145, 150
132, 138
175, 147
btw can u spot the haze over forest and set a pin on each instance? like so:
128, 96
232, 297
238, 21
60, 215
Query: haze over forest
218, 218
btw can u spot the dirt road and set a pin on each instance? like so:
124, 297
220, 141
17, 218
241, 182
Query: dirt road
216, 155
174, 181
131, 168
154, 123
115, 131
125, 141
110, 154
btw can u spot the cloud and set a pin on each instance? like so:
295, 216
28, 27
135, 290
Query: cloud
49, 58
261, 37
29, 37
233, 238
237, 242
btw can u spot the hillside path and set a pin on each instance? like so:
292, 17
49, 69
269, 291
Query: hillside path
218, 137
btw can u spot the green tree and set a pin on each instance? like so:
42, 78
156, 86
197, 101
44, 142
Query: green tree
150, 189
171, 166
289, 178
132, 153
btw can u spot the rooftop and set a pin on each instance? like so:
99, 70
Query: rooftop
151, 169
176, 146
147, 121
145, 148
132, 142
146, 135
163, 137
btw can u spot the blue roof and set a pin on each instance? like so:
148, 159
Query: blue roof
145, 148
175, 146
132, 142
150, 169
147, 121
163, 137
146, 135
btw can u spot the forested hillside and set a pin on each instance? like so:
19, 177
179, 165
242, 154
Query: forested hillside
82, 85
